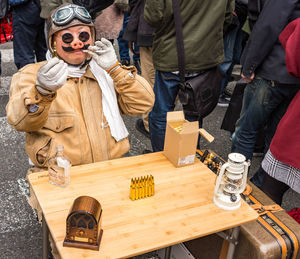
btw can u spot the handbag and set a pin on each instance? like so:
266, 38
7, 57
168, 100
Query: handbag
6, 32
200, 94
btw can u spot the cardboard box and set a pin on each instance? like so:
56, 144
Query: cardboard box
181, 139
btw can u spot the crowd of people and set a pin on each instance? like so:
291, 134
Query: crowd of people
72, 90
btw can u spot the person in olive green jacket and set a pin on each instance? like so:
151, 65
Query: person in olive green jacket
203, 25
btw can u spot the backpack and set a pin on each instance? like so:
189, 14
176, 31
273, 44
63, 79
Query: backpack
93, 6
6, 33
4, 8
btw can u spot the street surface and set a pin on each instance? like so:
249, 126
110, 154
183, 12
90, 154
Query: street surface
20, 232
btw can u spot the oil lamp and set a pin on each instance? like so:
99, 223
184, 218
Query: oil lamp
231, 181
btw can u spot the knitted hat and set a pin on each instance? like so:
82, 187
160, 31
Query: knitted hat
290, 40
52, 28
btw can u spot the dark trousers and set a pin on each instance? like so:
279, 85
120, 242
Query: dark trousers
263, 105
273, 188
29, 38
124, 45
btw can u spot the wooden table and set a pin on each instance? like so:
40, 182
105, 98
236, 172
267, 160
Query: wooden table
181, 209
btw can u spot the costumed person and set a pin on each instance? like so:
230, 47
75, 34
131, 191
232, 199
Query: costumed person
76, 99
282, 164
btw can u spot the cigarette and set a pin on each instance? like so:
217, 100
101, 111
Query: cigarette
97, 51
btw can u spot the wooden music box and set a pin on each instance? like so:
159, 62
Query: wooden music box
83, 224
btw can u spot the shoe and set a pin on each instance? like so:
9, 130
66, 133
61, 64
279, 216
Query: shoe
125, 62
137, 64
227, 96
139, 125
223, 102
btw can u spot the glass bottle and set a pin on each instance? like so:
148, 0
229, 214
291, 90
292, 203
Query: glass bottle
58, 168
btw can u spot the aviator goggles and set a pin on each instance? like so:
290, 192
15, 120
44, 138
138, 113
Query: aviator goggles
67, 13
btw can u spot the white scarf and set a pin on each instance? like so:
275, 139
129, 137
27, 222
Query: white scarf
109, 98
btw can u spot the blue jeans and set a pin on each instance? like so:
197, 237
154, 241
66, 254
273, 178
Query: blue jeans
123, 44
166, 90
232, 53
29, 37
263, 106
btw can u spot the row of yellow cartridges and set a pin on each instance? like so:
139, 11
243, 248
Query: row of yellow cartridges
141, 187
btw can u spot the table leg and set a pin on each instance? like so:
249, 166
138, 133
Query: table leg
168, 252
232, 245
45, 238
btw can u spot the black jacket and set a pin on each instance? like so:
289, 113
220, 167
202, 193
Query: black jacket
263, 54
137, 30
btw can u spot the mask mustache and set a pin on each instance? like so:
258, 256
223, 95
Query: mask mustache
70, 49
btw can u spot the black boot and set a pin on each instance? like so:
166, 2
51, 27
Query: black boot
139, 125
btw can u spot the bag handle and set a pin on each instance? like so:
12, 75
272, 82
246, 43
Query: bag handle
179, 40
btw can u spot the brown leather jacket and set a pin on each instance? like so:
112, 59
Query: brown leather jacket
74, 115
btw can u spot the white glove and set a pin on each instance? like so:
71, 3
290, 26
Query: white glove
51, 76
103, 53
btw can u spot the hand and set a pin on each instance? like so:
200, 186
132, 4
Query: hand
103, 53
248, 79
51, 76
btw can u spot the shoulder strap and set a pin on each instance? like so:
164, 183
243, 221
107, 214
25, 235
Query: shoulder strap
179, 39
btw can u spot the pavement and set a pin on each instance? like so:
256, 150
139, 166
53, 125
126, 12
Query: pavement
20, 232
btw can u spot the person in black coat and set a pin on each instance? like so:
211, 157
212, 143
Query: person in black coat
270, 88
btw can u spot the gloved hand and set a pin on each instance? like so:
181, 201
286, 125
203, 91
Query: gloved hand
51, 76
103, 53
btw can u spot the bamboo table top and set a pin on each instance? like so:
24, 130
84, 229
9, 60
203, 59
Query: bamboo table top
181, 209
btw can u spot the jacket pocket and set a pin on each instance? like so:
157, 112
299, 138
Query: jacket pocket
40, 145
59, 124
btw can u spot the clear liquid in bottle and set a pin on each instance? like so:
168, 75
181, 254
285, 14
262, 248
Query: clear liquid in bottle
58, 168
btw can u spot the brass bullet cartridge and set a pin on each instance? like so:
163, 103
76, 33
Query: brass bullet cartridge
141, 187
